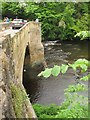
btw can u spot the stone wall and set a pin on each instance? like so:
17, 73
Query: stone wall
29, 35
15, 103
5, 26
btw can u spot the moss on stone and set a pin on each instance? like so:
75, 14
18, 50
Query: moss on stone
18, 99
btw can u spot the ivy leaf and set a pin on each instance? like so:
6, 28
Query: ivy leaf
82, 61
84, 67
64, 68
55, 70
86, 62
85, 78
40, 74
79, 61
46, 73
73, 66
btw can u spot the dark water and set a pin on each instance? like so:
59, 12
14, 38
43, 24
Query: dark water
51, 90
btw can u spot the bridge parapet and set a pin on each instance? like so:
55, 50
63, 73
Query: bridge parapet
12, 56
5, 26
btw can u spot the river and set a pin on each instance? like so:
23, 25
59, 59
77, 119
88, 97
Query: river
51, 91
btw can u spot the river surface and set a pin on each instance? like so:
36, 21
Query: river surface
48, 91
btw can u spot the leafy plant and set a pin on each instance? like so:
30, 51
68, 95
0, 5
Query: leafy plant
56, 70
75, 105
75, 88
59, 20
83, 34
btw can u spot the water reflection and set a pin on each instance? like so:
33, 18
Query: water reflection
51, 90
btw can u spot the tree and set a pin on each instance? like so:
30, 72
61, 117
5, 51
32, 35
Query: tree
74, 17
13, 9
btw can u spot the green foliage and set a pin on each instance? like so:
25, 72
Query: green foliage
76, 111
75, 105
83, 34
59, 21
18, 99
13, 9
64, 68
46, 110
56, 70
80, 63
85, 78
75, 88
46, 73
72, 107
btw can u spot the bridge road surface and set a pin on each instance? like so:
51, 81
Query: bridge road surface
8, 31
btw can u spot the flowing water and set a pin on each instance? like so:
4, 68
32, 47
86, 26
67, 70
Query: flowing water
51, 90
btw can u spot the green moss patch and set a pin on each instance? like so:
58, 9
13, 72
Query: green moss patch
18, 99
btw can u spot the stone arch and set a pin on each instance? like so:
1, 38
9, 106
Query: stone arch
23, 61
26, 59
26, 66
12, 57
32, 39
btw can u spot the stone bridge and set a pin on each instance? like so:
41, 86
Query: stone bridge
14, 102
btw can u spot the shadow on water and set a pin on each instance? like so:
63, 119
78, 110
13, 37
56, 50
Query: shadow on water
31, 82
51, 90
30, 78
